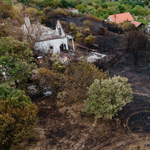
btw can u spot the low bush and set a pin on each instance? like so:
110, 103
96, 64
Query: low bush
88, 24
87, 31
17, 12
6, 10
79, 37
88, 41
72, 29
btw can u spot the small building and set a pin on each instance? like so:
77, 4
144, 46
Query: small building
46, 39
73, 10
120, 18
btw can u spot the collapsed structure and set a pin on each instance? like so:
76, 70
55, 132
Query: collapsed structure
54, 41
147, 29
46, 39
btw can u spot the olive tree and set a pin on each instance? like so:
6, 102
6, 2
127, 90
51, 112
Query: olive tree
108, 97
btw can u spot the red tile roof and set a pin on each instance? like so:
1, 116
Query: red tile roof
136, 23
71, 9
119, 18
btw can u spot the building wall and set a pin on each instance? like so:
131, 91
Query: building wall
75, 11
109, 19
25, 30
45, 45
58, 25
148, 29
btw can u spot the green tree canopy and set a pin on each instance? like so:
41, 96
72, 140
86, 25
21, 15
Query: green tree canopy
104, 5
55, 4
17, 116
121, 8
138, 10
16, 59
81, 8
107, 98
64, 3
146, 2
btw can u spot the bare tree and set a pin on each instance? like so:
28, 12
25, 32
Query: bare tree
135, 42
127, 40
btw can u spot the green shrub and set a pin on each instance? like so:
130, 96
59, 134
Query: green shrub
88, 41
79, 37
18, 115
55, 4
43, 19
108, 97
72, 29
138, 10
59, 66
140, 17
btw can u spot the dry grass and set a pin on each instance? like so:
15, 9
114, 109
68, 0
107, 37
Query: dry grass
93, 18
17, 12
31, 11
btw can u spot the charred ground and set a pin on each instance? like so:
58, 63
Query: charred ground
63, 127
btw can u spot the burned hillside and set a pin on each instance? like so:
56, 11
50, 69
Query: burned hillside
84, 86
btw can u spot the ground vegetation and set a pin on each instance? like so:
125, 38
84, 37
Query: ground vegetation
17, 61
